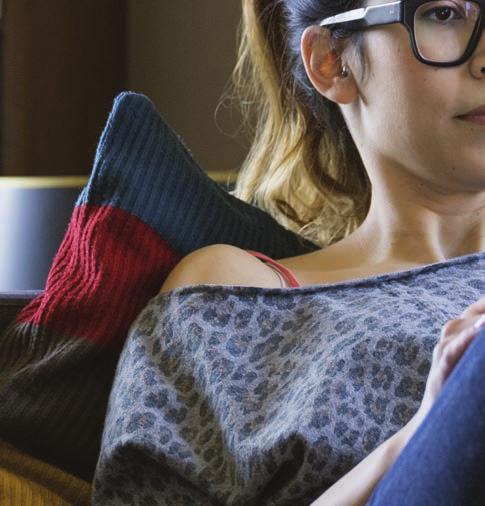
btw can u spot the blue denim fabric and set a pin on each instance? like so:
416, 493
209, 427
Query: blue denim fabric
443, 464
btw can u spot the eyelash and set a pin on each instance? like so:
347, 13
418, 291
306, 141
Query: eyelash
455, 11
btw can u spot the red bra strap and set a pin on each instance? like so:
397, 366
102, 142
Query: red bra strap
284, 270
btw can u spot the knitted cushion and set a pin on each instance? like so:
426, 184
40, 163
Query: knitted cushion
146, 205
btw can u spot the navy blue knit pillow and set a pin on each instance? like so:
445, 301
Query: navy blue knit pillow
147, 204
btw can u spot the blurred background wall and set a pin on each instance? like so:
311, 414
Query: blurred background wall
181, 54
62, 63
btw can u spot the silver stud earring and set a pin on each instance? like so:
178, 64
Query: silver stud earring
344, 72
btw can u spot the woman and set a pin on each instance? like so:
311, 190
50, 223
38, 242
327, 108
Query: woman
341, 111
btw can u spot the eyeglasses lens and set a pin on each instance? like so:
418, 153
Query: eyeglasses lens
443, 28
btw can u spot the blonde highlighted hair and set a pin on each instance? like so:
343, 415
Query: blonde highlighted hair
303, 166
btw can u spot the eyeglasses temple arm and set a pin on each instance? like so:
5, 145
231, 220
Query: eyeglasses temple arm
372, 15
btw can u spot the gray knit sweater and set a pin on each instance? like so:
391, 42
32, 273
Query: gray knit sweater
230, 395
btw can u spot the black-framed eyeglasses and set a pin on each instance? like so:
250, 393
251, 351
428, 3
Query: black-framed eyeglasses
443, 33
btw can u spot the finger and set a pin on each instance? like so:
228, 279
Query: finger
466, 335
475, 309
453, 327
459, 324
480, 323
457, 347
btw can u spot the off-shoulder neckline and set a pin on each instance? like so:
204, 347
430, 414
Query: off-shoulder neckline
309, 289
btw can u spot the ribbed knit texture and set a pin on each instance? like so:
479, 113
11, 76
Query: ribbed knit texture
146, 205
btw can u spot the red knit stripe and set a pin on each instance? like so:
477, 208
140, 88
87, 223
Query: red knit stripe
108, 266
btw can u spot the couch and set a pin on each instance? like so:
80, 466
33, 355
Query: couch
12, 302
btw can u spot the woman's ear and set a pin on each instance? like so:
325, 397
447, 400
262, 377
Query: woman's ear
324, 65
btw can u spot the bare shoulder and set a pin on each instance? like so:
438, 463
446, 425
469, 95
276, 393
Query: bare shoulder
220, 264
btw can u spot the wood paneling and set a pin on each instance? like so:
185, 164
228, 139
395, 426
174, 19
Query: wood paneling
181, 55
63, 64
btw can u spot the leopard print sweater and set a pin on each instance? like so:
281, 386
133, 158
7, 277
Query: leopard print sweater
232, 395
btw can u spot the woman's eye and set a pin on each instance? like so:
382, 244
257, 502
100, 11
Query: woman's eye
443, 14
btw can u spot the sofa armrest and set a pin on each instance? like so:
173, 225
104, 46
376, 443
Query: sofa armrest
12, 302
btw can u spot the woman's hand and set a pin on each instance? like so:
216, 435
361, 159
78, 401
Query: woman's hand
356, 486
456, 335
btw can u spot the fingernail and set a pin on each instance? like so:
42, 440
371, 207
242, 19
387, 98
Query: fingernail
479, 323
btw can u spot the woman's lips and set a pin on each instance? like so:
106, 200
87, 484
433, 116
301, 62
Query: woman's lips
479, 119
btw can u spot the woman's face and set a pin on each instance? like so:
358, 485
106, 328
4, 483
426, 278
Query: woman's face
412, 108
404, 113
